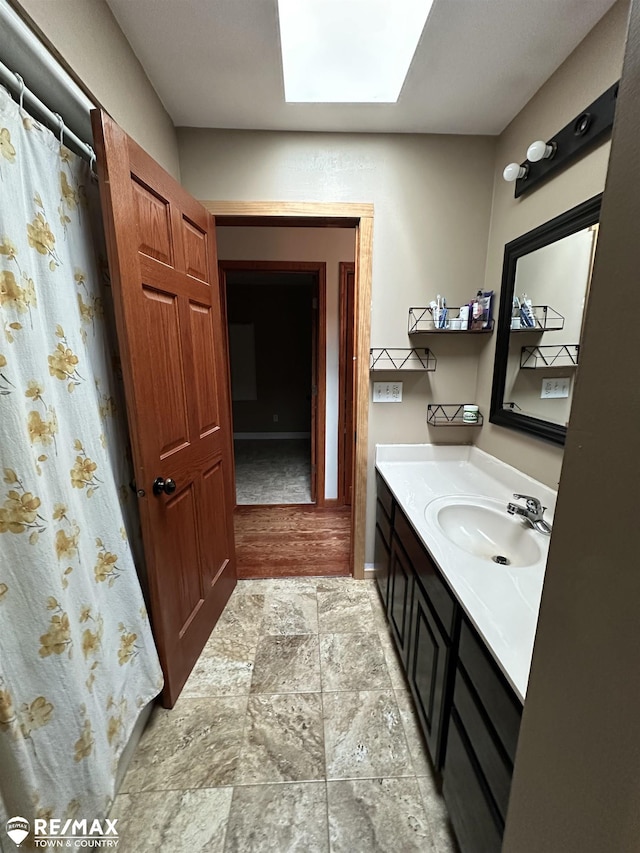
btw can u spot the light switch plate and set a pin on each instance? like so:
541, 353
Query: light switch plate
387, 392
553, 388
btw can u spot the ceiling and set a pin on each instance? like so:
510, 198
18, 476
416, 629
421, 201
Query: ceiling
216, 63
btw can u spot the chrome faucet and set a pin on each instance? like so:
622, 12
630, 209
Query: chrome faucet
533, 513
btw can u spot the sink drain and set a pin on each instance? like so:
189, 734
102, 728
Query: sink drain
500, 560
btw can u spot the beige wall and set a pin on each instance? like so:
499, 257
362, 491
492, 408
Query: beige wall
88, 38
431, 196
439, 202
330, 245
592, 67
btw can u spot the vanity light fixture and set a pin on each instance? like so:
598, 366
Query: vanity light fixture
582, 133
515, 171
540, 150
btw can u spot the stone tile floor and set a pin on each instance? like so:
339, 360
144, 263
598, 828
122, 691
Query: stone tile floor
294, 734
273, 471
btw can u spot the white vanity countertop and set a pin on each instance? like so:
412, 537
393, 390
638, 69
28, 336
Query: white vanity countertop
502, 602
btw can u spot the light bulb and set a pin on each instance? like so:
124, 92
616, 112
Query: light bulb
540, 150
514, 171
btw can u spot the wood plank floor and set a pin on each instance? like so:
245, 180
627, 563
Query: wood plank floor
292, 541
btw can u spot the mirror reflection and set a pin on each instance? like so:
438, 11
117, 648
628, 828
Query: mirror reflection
545, 287
551, 287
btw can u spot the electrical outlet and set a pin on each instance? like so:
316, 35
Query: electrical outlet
553, 388
387, 392
275, 419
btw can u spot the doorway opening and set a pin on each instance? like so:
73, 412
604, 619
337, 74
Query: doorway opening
234, 216
276, 333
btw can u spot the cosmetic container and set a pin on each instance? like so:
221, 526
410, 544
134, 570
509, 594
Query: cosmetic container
470, 414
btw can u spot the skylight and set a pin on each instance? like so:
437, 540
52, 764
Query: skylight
348, 51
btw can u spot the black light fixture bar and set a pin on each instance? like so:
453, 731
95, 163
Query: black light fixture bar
583, 132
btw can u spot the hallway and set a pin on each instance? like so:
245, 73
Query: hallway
295, 732
273, 471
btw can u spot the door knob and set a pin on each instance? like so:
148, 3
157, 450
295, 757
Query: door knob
167, 486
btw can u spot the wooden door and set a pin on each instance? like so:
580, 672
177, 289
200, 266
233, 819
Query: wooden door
162, 256
346, 435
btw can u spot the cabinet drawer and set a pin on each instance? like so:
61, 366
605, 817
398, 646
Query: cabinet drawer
494, 765
476, 825
426, 572
497, 697
384, 523
384, 495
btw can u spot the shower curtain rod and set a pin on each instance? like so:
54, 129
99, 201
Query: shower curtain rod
54, 121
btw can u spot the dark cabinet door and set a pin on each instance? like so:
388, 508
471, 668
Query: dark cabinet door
429, 655
400, 592
477, 826
381, 558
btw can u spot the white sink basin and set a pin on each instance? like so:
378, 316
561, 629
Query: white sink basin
482, 528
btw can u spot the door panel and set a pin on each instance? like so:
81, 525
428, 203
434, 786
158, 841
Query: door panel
164, 275
195, 250
180, 524
153, 217
204, 386
400, 591
213, 518
162, 340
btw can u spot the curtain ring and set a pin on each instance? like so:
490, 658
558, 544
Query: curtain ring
92, 162
22, 88
61, 126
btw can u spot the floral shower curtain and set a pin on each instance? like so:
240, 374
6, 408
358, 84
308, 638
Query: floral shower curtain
77, 659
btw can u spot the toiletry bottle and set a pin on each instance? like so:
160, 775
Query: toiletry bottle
433, 307
464, 317
526, 312
476, 311
515, 314
486, 302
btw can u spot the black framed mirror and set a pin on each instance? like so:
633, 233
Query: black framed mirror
545, 285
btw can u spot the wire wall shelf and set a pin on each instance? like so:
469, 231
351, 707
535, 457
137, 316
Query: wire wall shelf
402, 359
564, 355
421, 321
512, 406
449, 414
546, 319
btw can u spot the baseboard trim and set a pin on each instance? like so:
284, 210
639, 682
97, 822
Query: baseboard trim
247, 436
369, 572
